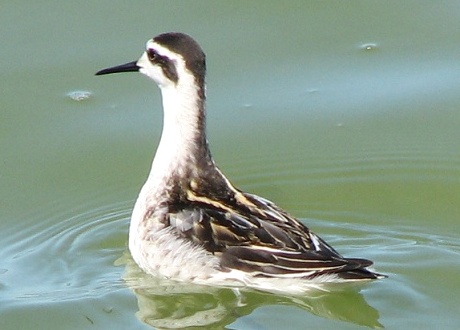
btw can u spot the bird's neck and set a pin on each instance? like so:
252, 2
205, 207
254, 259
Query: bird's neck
183, 147
183, 164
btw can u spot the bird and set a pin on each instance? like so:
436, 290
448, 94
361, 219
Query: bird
191, 224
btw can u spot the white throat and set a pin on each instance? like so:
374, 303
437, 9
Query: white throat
182, 126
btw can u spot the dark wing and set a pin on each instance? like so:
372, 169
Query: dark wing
254, 235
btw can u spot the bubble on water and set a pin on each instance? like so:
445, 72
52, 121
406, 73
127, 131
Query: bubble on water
79, 95
369, 46
108, 310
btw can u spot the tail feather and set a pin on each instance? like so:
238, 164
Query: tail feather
360, 272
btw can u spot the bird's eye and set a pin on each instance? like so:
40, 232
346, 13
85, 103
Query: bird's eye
153, 55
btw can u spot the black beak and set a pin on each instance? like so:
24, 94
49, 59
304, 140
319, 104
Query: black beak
128, 67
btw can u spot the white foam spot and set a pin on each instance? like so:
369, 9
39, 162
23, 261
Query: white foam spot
369, 46
79, 95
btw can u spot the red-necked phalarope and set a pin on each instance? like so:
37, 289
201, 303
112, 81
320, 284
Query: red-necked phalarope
190, 223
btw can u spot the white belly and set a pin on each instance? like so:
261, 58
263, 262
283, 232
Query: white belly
163, 253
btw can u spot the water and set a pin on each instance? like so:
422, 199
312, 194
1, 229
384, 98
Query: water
345, 114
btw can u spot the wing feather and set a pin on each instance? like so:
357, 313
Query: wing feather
254, 235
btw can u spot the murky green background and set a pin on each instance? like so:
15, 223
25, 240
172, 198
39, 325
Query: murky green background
346, 113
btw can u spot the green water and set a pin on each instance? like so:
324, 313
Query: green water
345, 113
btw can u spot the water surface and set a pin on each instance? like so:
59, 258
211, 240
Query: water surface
344, 113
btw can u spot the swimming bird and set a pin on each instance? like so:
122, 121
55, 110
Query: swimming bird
190, 223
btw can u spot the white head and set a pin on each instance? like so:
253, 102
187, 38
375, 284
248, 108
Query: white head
172, 60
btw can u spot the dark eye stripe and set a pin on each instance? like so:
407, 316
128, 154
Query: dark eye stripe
153, 55
166, 64
169, 69
156, 58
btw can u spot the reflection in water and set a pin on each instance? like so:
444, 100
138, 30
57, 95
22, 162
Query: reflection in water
167, 304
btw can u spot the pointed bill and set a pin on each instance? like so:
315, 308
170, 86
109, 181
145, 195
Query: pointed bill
127, 67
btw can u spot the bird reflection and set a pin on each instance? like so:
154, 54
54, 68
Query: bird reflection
166, 304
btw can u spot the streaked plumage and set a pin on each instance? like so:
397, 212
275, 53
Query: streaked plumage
191, 224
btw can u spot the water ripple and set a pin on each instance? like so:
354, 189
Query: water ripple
363, 166
65, 256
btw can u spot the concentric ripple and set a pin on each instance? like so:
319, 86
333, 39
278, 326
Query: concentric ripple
65, 256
